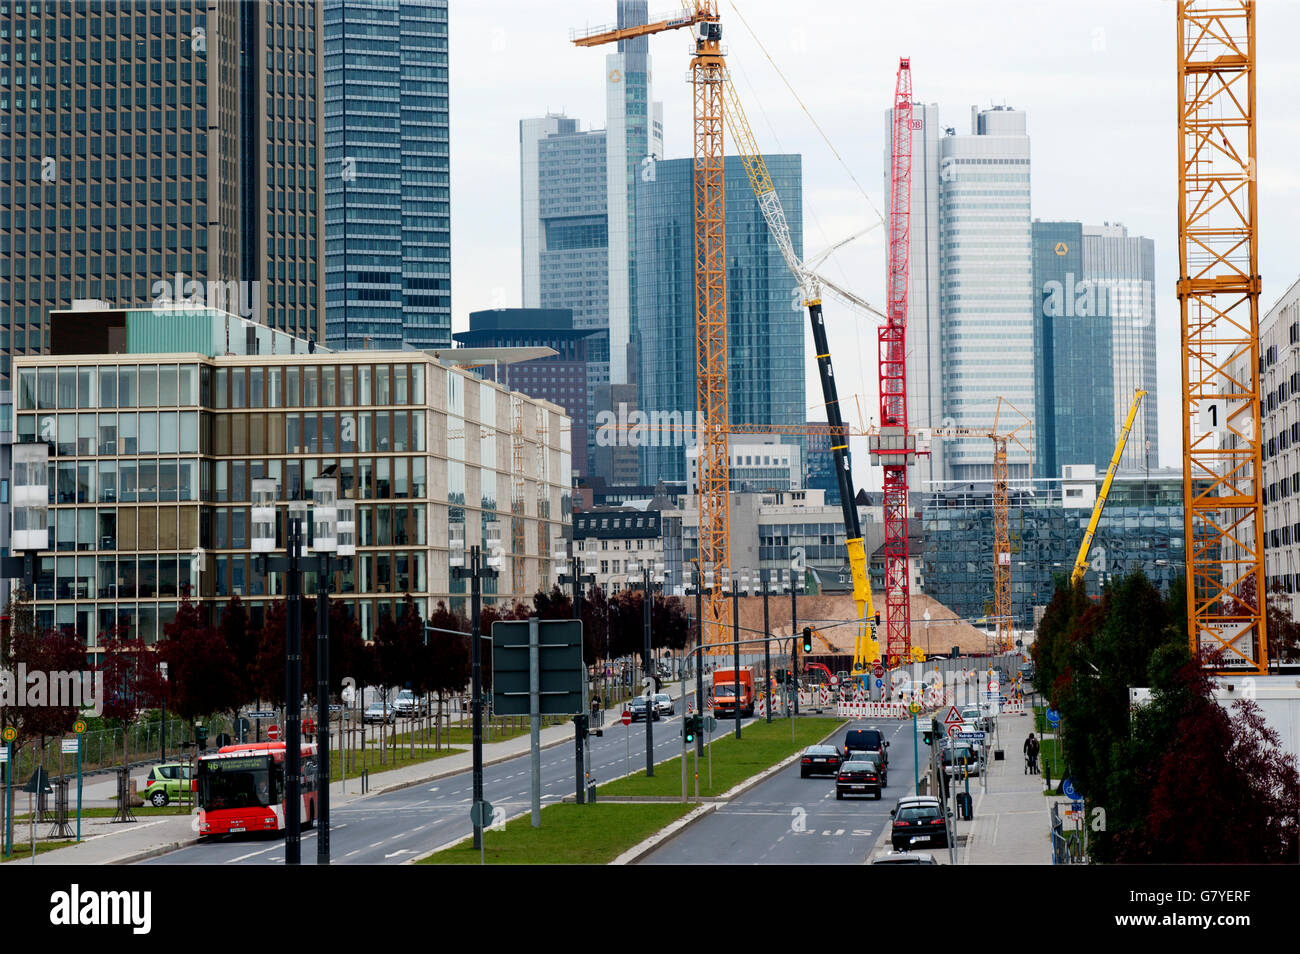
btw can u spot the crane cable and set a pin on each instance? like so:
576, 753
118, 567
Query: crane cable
807, 113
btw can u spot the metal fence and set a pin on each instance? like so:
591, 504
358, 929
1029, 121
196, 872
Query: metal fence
102, 749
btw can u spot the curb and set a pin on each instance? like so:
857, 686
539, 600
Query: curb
152, 852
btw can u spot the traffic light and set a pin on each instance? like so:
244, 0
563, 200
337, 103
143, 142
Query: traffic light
780, 677
807, 639
201, 736
928, 736
690, 726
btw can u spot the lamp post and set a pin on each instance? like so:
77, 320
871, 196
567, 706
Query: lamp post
796, 584
563, 556
649, 577
733, 586
701, 584
475, 571
765, 586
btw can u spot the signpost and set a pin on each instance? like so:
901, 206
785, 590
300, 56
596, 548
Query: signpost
9, 734
273, 733
627, 742
537, 670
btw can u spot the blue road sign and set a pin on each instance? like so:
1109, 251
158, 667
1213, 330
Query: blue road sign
1053, 717
879, 683
971, 736
1067, 789
1076, 806
261, 714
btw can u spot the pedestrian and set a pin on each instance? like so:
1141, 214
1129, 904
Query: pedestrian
1031, 754
595, 710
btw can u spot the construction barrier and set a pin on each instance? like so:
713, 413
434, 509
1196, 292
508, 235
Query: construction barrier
872, 710
1013, 708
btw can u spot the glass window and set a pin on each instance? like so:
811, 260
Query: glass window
220, 391
148, 385
363, 385
275, 397
126, 389
68, 388
187, 481
346, 385
107, 481
328, 390
188, 386
167, 481
417, 387
400, 389
168, 432
383, 390
127, 490
147, 480
291, 391
47, 389
86, 390
108, 387
256, 389
27, 389
149, 432
188, 427
67, 435
311, 387
167, 388
238, 394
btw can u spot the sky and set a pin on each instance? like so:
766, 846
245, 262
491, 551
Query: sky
1096, 79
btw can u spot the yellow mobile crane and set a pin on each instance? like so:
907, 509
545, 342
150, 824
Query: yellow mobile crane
1081, 561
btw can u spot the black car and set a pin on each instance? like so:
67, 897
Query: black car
867, 742
918, 821
819, 760
638, 709
859, 776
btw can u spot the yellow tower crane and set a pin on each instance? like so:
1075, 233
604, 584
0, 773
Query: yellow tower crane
1081, 561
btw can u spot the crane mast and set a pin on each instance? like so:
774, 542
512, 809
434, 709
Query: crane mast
895, 447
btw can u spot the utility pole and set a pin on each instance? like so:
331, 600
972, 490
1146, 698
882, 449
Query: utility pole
475, 572
764, 580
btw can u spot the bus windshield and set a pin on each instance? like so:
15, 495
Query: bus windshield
243, 782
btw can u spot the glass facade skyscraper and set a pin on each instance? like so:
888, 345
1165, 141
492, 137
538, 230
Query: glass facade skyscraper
765, 344
388, 219
149, 153
1094, 343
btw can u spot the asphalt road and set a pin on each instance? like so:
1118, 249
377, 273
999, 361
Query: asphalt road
391, 828
796, 821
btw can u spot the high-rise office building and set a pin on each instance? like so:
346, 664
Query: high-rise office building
765, 355
985, 286
578, 212
159, 153
387, 202
1094, 344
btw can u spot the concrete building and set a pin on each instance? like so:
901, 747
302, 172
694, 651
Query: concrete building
183, 164
1279, 358
765, 334
758, 464
387, 188
609, 538
157, 432
1094, 344
560, 379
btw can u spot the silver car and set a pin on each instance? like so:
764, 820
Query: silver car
664, 704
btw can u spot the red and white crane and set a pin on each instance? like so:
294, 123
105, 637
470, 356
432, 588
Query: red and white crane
894, 447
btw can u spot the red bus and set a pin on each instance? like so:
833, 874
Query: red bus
241, 788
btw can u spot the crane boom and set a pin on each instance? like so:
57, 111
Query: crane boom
1081, 561
866, 650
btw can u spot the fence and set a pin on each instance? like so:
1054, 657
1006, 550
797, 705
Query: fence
102, 749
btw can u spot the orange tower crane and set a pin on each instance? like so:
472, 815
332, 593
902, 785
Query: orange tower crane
708, 78
1218, 297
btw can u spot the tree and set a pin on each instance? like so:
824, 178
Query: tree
595, 625
243, 644
555, 604
132, 683
447, 658
350, 656
22, 645
203, 673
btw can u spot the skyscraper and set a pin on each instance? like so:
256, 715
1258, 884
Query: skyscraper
985, 285
765, 354
1094, 344
387, 174
160, 153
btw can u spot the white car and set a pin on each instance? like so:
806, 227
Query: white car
664, 704
407, 704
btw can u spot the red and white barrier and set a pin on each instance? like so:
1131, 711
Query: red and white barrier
872, 710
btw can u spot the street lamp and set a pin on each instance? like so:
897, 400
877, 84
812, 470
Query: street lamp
476, 571
734, 586
650, 576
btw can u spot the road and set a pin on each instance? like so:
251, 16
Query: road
394, 827
796, 821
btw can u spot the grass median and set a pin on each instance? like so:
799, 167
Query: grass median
762, 745
569, 835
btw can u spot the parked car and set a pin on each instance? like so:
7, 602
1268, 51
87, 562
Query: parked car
819, 759
918, 820
408, 704
163, 784
859, 776
867, 742
664, 704
379, 712
905, 858
979, 717
637, 706
960, 758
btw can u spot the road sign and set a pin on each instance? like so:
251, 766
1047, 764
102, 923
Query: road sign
559, 663
953, 717
878, 671
9, 734
1068, 789
38, 784
710, 723
914, 708
627, 717
953, 730
336, 708
480, 813
1053, 717
993, 685
4, 754
79, 726
971, 736
893, 661
273, 733
879, 683
69, 746
261, 714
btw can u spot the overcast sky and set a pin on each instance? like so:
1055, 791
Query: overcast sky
1096, 79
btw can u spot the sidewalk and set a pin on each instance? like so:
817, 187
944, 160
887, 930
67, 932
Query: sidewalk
105, 844
1012, 823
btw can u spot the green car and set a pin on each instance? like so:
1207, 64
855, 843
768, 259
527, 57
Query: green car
163, 784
